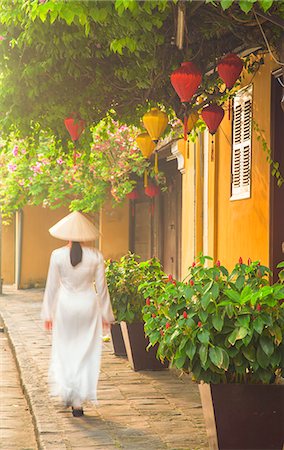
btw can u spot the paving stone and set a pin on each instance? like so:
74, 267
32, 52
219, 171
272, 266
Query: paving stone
136, 410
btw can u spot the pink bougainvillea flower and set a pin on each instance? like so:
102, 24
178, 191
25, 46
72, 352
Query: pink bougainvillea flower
24, 151
12, 167
2, 38
37, 167
59, 161
15, 150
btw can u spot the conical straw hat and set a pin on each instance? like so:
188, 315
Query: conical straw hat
74, 227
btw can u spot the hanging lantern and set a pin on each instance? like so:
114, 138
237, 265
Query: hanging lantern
75, 127
145, 144
152, 190
191, 121
229, 69
212, 116
155, 122
133, 195
186, 80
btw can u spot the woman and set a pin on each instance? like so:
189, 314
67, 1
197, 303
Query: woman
76, 311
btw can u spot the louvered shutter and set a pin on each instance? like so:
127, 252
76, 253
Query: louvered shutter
241, 145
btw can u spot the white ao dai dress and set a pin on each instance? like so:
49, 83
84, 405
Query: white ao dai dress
76, 308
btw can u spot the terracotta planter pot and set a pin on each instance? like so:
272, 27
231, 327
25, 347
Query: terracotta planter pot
117, 340
135, 344
243, 416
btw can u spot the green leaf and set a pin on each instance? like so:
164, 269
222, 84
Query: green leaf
244, 321
276, 331
258, 325
262, 358
280, 265
203, 353
242, 332
205, 300
246, 5
230, 311
190, 350
233, 337
217, 322
204, 336
203, 315
249, 353
216, 356
240, 282
266, 345
226, 359
233, 295
226, 4
265, 4
179, 362
215, 291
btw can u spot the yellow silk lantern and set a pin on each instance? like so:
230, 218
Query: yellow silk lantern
155, 122
145, 144
191, 121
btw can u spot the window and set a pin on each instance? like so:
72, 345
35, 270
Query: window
241, 146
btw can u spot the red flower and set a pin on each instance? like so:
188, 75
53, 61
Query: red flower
258, 307
193, 264
249, 262
240, 260
185, 314
162, 333
199, 324
174, 283
170, 278
168, 325
191, 283
148, 301
154, 315
218, 263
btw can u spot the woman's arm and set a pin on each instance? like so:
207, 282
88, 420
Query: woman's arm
102, 290
50, 293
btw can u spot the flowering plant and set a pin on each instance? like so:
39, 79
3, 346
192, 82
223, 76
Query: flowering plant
41, 169
124, 278
222, 327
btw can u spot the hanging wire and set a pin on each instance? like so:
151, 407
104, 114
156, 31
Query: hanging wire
266, 41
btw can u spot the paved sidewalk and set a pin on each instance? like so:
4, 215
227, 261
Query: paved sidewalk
136, 411
16, 427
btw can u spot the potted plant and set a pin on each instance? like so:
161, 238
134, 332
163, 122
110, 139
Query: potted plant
226, 329
124, 278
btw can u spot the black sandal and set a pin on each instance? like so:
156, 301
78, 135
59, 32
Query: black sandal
77, 412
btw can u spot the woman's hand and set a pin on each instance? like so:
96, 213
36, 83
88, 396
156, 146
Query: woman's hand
106, 326
48, 325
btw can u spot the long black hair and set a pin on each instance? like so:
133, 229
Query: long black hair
75, 253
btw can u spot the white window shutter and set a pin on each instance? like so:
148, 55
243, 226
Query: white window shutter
241, 145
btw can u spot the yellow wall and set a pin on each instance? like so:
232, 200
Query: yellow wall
37, 244
8, 253
114, 223
242, 226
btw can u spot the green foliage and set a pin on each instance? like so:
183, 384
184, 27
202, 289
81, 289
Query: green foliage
88, 57
124, 278
222, 327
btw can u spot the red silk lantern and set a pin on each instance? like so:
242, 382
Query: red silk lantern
152, 190
75, 127
185, 81
133, 195
229, 69
212, 116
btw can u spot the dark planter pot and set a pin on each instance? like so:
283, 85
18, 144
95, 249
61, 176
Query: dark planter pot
135, 344
117, 340
243, 416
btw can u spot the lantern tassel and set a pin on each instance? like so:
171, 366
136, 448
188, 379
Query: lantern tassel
145, 178
212, 149
74, 154
185, 127
156, 169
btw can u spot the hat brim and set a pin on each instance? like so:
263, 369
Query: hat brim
75, 227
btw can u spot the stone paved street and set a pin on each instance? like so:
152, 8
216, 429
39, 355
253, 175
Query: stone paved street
16, 427
136, 411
